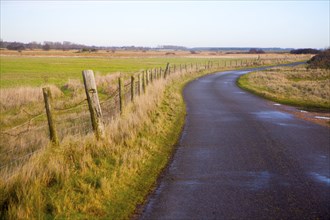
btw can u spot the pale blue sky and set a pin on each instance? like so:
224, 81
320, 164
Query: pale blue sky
294, 24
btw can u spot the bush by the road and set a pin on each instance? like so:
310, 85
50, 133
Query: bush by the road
322, 60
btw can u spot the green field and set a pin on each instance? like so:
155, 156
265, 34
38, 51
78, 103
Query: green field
36, 71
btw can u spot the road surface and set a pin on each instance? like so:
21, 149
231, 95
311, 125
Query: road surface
240, 158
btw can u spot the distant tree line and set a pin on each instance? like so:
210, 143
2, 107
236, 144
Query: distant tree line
65, 45
47, 45
305, 51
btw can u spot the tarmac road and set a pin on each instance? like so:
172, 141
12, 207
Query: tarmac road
240, 158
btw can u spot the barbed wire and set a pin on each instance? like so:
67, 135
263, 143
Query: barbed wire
20, 133
127, 84
20, 158
21, 125
72, 107
28, 145
112, 95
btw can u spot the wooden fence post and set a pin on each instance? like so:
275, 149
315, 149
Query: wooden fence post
140, 83
151, 76
121, 95
166, 70
93, 103
132, 88
144, 82
52, 129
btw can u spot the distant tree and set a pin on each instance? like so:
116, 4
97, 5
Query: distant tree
256, 51
305, 51
33, 45
321, 60
16, 46
46, 47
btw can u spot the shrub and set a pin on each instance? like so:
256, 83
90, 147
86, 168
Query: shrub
256, 51
322, 60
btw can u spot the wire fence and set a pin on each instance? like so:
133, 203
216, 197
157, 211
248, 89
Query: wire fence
19, 143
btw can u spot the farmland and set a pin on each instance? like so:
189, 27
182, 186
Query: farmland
38, 71
36, 68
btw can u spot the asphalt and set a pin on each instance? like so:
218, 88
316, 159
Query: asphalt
241, 158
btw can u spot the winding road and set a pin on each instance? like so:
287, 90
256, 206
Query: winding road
241, 158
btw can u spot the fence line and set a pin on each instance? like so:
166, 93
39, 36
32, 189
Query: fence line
93, 117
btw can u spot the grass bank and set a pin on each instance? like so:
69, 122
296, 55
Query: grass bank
86, 179
297, 86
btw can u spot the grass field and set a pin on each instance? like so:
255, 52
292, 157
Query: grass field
306, 88
36, 71
37, 68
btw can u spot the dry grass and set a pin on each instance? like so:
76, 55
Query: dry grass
17, 97
296, 86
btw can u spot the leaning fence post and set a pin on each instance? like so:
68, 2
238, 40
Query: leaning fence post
132, 88
52, 129
121, 95
93, 103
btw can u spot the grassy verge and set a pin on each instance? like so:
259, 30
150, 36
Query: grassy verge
86, 179
297, 86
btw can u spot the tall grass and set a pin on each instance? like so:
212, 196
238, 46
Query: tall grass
17, 97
